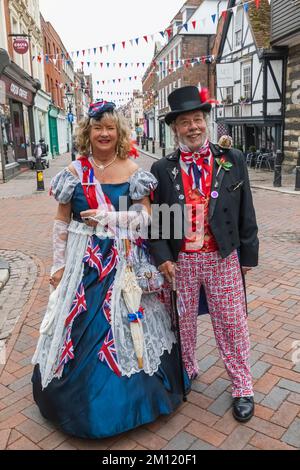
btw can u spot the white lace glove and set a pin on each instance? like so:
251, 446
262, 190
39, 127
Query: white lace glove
134, 223
60, 238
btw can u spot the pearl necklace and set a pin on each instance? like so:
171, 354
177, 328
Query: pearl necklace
102, 167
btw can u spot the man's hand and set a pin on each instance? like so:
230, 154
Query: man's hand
245, 269
56, 278
168, 270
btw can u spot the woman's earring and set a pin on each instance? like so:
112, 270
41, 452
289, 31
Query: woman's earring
91, 149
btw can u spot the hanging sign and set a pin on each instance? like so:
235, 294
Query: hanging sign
20, 45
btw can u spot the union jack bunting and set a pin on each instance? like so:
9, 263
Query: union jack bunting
67, 351
93, 256
108, 353
78, 305
107, 305
112, 260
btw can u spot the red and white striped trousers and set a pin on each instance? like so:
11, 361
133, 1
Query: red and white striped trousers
224, 289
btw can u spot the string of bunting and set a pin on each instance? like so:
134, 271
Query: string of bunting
188, 26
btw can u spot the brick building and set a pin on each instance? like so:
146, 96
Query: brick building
57, 77
186, 58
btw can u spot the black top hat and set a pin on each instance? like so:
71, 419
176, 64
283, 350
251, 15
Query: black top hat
183, 100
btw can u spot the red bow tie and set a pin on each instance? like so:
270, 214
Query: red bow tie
199, 166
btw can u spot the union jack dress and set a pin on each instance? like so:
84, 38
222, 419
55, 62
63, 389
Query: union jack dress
89, 397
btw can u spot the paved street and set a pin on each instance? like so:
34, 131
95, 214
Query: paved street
205, 421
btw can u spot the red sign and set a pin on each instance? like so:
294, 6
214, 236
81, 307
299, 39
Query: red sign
21, 46
15, 91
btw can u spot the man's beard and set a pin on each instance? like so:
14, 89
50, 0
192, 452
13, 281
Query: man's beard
183, 144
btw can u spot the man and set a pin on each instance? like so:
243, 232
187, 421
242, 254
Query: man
221, 246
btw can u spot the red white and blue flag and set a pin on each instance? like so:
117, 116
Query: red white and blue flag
107, 305
67, 351
93, 256
112, 260
78, 305
108, 353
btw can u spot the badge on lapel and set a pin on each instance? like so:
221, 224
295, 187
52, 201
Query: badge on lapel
175, 172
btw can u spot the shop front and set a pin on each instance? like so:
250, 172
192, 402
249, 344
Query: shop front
40, 113
17, 137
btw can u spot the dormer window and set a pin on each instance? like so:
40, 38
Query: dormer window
187, 13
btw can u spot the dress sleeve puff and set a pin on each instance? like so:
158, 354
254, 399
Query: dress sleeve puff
142, 183
62, 186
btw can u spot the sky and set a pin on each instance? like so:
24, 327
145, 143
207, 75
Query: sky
89, 24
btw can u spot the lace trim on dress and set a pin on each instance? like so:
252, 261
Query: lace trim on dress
62, 186
142, 182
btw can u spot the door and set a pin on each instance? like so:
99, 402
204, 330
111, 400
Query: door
18, 130
53, 136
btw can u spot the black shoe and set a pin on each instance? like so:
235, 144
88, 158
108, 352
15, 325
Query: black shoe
243, 408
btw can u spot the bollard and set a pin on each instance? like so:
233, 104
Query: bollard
40, 184
147, 144
143, 143
163, 149
153, 146
138, 140
278, 169
297, 184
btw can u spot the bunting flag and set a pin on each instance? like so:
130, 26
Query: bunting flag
234, 10
168, 32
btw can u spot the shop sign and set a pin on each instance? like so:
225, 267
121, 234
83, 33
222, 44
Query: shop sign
17, 92
20, 46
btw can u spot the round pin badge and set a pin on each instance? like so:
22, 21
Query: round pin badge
181, 197
215, 194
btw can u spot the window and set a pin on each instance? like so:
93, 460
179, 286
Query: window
246, 83
229, 95
238, 26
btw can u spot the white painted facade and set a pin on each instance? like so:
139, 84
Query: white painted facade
249, 80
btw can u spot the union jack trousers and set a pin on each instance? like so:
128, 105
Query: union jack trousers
223, 284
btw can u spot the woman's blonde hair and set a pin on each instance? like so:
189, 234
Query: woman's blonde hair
82, 134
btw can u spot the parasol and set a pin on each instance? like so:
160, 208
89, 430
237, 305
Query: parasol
132, 294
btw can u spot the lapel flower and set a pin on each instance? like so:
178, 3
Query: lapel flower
223, 163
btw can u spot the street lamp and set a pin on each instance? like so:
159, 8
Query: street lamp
69, 102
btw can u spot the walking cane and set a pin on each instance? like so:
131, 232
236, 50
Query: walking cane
175, 318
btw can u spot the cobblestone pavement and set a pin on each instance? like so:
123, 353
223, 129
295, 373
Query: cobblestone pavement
205, 421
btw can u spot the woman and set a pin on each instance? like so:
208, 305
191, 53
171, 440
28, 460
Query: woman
88, 380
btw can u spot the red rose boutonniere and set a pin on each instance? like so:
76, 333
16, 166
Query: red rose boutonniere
223, 163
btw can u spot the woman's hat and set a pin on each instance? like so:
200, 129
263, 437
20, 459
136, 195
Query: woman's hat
185, 99
100, 107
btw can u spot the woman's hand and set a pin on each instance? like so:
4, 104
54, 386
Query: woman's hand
55, 279
89, 213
